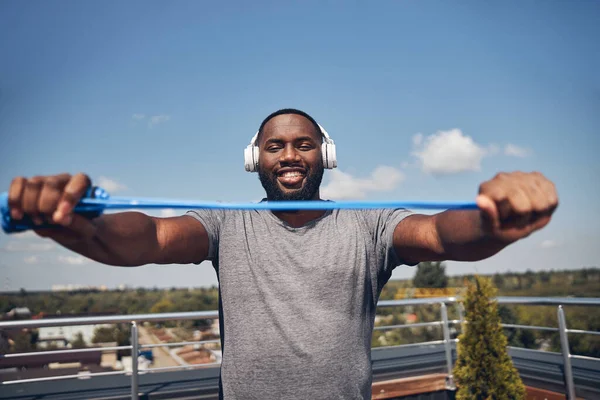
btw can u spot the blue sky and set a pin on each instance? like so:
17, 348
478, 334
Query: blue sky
425, 101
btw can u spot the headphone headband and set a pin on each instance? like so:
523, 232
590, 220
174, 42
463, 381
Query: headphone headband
324, 134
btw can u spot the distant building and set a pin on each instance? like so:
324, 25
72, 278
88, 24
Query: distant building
77, 287
61, 336
18, 313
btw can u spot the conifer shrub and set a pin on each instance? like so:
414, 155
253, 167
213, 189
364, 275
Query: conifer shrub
484, 370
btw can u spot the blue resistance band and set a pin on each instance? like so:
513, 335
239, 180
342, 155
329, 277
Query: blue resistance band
97, 200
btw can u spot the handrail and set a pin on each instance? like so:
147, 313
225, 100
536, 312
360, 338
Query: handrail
444, 322
539, 301
550, 301
213, 314
110, 319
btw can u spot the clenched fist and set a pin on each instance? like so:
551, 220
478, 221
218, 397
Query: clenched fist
51, 199
516, 204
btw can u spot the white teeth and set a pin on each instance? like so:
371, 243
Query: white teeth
291, 174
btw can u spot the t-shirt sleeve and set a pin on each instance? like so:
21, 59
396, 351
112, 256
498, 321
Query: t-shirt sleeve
211, 219
382, 224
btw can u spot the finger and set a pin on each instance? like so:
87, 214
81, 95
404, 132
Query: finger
504, 210
520, 203
550, 194
15, 194
51, 194
493, 191
517, 210
72, 193
538, 197
490, 212
540, 223
31, 194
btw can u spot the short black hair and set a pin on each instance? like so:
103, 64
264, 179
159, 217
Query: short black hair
288, 111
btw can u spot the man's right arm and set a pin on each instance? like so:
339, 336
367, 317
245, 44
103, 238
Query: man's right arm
120, 239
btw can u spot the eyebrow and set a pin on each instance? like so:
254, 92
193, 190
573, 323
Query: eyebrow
301, 138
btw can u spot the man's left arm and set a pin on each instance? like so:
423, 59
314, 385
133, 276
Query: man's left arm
511, 206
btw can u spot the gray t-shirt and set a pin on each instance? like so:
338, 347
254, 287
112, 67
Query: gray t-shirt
298, 304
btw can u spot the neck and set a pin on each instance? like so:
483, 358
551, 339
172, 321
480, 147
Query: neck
299, 218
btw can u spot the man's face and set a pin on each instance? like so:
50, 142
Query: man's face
290, 163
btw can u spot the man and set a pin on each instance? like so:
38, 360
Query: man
298, 289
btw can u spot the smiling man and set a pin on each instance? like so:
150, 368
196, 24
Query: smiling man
299, 289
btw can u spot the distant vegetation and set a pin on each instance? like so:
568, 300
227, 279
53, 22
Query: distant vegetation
431, 280
575, 283
132, 301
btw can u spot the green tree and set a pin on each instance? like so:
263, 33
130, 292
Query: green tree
484, 369
498, 280
25, 341
545, 276
78, 342
120, 333
431, 275
163, 306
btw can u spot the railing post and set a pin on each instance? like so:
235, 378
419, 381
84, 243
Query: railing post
134, 360
564, 345
447, 345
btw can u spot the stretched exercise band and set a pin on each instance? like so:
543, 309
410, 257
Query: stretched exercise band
97, 200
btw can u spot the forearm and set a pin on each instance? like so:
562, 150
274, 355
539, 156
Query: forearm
121, 239
462, 236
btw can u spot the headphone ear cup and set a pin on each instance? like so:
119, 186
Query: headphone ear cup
329, 156
250, 158
332, 155
255, 153
325, 153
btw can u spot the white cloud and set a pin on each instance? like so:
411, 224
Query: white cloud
168, 212
22, 246
448, 152
515, 151
72, 260
31, 259
345, 186
417, 139
452, 152
138, 117
549, 244
158, 119
110, 185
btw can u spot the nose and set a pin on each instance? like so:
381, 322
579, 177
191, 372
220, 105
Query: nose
289, 154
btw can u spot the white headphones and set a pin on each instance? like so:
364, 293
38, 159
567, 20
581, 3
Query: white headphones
251, 153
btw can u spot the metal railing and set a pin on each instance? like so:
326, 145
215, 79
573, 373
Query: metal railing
444, 323
134, 346
560, 302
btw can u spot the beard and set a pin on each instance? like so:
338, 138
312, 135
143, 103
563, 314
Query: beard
308, 191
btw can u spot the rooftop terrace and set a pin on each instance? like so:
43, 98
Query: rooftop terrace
403, 371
